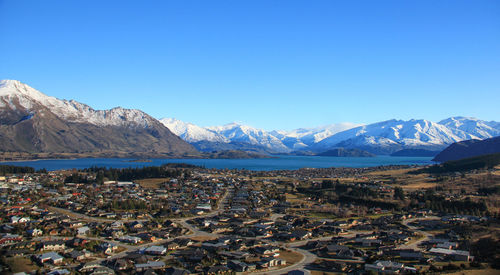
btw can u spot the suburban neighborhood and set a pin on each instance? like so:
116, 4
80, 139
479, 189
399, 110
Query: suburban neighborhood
209, 221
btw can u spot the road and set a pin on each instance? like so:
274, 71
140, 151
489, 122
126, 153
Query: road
307, 257
427, 236
86, 218
194, 231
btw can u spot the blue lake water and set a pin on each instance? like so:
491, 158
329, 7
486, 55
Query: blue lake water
267, 164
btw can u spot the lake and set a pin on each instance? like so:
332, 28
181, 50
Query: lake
265, 164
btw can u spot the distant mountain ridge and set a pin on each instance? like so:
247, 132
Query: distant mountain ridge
479, 128
393, 135
415, 153
304, 137
342, 152
234, 136
468, 149
192, 133
384, 137
33, 122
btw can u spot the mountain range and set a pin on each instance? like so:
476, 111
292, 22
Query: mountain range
31, 121
378, 138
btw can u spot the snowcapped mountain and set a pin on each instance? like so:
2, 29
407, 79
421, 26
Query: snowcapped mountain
192, 133
292, 142
245, 134
380, 138
14, 95
232, 136
479, 128
51, 124
392, 135
309, 136
31, 121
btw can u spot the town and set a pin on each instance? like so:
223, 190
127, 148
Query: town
182, 219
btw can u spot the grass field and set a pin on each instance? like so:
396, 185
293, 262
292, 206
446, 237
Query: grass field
291, 257
152, 183
487, 271
20, 264
294, 198
396, 172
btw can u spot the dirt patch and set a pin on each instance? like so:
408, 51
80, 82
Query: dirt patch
291, 257
202, 238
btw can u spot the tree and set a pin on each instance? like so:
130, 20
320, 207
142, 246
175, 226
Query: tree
399, 193
326, 184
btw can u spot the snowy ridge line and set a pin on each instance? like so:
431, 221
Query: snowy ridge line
14, 94
393, 134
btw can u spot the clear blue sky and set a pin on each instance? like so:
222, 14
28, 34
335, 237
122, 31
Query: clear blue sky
269, 64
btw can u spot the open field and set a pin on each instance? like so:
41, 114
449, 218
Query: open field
202, 238
393, 173
487, 271
404, 180
295, 198
20, 264
290, 256
153, 183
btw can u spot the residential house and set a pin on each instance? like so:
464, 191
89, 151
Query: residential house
50, 257
35, 232
458, 255
53, 245
385, 267
150, 265
156, 250
10, 238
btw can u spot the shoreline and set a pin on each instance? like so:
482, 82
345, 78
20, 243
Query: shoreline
128, 159
268, 164
126, 156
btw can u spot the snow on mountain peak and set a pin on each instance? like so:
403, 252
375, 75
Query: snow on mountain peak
236, 132
190, 132
411, 133
16, 95
317, 134
479, 128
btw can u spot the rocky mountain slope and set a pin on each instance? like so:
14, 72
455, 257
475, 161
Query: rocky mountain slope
469, 148
31, 121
